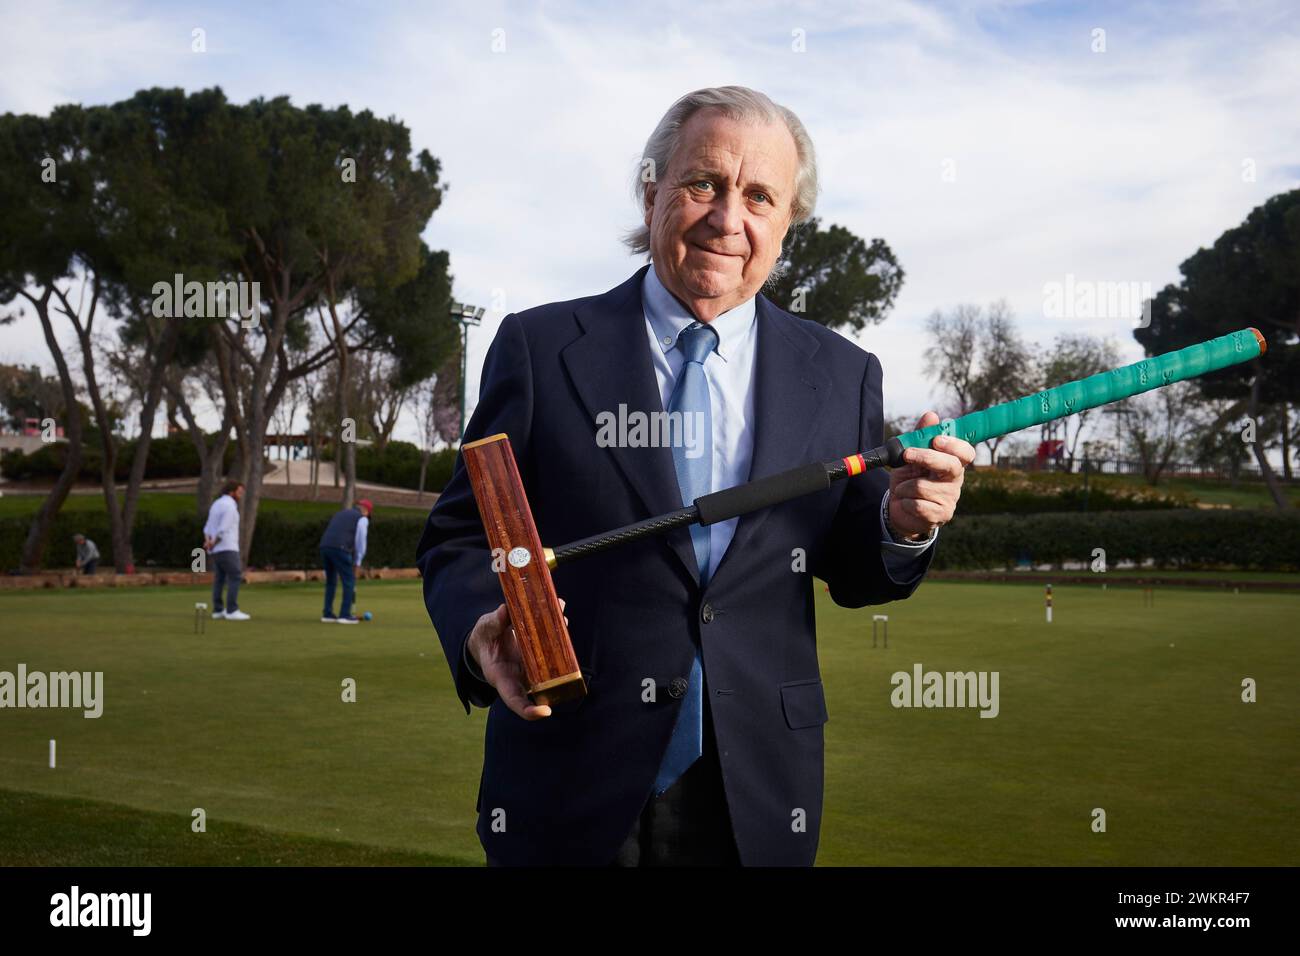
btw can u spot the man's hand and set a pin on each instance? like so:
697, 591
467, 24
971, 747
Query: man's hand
208, 543
493, 647
923, 493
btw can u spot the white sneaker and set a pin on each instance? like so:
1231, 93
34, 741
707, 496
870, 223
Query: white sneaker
349, 620
236, 616
218, 615
328, 620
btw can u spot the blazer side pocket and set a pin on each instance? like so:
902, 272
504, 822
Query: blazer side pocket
804, 704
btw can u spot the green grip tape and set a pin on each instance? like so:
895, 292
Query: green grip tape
1101, 389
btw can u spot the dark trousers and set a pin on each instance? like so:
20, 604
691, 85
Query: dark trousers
688, 824
89, 567
226, 574
338, 566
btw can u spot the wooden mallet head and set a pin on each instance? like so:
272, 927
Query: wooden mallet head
550, 667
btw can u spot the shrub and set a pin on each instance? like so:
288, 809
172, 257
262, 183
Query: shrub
281, 541
1191, 539
170, 457
398, 465
989, 491
1250, 540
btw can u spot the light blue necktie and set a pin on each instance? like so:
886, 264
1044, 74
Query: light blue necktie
695, 478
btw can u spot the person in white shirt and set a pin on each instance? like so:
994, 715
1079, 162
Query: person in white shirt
221, 540
87, 554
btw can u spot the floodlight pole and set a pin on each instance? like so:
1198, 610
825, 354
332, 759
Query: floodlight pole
466, 315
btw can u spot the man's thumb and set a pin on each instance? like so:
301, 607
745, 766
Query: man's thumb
928, 419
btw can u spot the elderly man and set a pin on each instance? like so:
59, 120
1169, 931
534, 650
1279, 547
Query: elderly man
700, 739
87, 554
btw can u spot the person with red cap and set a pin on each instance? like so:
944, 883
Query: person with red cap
342, 547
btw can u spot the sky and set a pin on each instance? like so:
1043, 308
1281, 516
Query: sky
998, 147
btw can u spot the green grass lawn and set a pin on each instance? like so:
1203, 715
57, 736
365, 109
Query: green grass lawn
1130, 709
166, 505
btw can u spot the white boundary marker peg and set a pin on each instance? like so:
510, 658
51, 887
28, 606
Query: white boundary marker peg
51, 754
200, 618
1049, 604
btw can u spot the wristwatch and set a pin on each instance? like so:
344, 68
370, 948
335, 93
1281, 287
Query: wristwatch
894, 533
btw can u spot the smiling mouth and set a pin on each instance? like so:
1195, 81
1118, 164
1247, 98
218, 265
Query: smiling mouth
729, 255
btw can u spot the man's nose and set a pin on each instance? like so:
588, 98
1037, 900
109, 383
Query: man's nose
726, 216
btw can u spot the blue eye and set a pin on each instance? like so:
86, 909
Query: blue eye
764, 197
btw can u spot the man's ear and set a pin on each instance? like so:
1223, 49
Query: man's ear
649, 203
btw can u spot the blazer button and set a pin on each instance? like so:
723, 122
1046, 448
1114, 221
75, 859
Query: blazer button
677, 688
707, 614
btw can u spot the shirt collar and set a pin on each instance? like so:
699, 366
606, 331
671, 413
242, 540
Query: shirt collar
667, 317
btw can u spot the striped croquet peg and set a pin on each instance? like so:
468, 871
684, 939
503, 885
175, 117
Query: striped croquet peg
200, 618
1049, 604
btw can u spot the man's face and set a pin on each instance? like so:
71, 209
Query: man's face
238, 493
718, 214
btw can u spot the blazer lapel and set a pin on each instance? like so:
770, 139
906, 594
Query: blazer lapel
790, 393
609, 366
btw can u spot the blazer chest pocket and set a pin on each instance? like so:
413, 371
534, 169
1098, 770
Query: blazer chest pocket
804, 704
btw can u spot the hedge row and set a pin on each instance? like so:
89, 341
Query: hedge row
1252, 540
988, 491
174, 457
398, 465
281, 541
170, 457
1192, 539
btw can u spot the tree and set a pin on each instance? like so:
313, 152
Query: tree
319, 415
447, 412
951, 354
41, 205
1250, 276
1218, 445
979, 358
380, 396
426, 413
211, 449
328, 204
1006, 365
1075, 356
835, 278
116, 189
317, 210
27, 392
1164, 422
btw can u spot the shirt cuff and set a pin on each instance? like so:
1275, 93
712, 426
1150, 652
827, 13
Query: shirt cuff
471, 666
478, 692
890, 546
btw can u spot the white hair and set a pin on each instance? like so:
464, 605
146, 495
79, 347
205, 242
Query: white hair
737, 103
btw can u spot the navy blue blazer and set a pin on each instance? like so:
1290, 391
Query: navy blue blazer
567, 789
